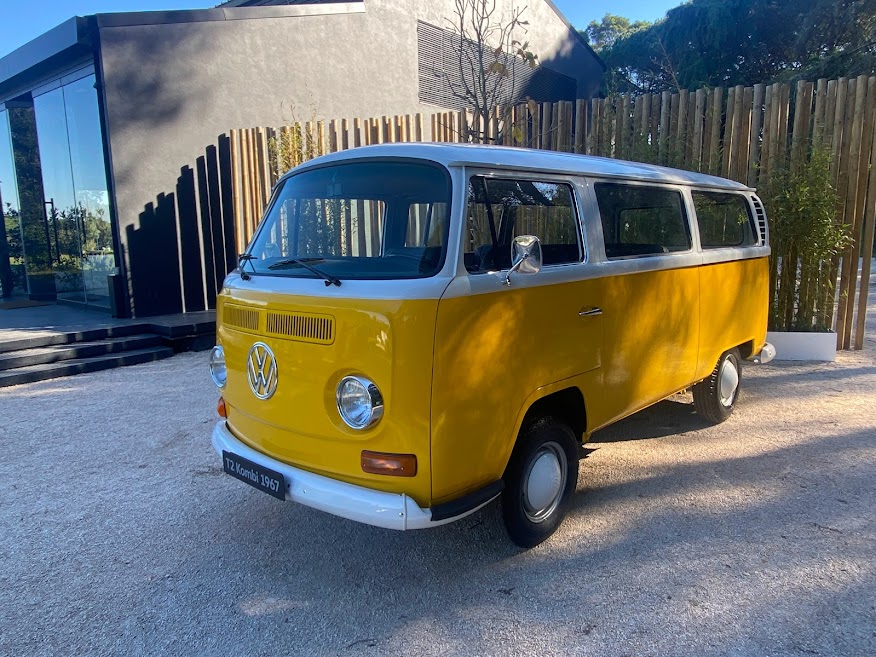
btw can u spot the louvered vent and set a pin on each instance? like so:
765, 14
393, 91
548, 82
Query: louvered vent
442, 80
761, 220
302, 327
243, 318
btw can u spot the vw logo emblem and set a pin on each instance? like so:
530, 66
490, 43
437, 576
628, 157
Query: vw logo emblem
261, 370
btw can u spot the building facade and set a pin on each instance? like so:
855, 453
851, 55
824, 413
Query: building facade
113, 167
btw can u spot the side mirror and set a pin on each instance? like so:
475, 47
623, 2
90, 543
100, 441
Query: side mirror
525, 256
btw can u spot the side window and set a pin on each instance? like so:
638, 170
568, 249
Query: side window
501, 209
724, 220
641, 221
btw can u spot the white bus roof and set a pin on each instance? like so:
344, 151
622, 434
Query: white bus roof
504, 157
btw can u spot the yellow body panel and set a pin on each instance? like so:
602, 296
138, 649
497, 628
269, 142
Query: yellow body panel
458, 375
497, 353
651, 340
734, 304
388, 341
493, 352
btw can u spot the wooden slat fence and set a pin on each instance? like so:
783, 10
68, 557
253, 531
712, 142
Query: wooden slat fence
747, 134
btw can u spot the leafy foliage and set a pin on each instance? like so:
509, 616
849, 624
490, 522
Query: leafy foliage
609, 30
730, 42
801, 206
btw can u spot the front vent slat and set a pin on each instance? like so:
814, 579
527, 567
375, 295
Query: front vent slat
761, 220
242, 318
319, 329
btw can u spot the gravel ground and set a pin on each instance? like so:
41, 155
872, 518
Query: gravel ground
120, 535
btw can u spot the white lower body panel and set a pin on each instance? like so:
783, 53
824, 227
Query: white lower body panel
372, 507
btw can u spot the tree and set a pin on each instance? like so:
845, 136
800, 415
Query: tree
711, 43
606, 32
487, 52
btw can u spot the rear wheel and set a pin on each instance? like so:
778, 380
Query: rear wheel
715, 397
539, 481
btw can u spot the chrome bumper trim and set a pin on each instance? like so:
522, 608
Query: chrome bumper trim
767, 353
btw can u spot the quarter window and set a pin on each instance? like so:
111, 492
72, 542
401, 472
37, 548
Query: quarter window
501, 209
641, 221
723, 219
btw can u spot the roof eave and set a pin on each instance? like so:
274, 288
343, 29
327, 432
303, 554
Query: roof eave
71, 35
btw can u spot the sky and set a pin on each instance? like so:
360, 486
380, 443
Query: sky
23, 20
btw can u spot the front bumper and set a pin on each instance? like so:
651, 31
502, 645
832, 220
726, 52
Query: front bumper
372, 507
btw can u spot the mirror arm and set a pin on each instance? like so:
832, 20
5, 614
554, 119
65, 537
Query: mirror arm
515, 267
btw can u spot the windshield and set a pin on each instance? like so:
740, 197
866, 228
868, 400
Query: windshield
363, 220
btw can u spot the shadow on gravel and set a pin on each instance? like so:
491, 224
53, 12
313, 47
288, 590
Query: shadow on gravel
666, 418
784, 514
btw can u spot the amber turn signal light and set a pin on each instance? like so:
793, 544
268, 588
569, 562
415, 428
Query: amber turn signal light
394, 465
220, 408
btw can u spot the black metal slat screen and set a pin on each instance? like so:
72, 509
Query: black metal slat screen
441, 79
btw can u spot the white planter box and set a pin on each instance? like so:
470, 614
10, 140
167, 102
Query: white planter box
803, 346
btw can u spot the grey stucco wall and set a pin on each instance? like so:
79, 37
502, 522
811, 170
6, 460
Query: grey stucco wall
171, 89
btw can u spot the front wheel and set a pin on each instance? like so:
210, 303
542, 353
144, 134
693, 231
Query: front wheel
715, 397
539, 481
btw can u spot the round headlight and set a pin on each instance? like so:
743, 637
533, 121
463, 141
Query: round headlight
218, 372
359, 402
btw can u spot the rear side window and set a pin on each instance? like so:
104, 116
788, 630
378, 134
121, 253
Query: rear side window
501, 209
724, 220
641, 221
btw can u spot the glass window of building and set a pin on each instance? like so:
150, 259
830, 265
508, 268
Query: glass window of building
75, 189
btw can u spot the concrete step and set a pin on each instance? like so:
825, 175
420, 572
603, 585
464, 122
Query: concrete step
44, 371
77, 350
89, 335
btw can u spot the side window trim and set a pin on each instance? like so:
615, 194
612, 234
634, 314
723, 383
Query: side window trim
688, 217
746, 196
578, 203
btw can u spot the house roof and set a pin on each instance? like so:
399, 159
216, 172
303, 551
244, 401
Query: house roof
268, 3
504, 157
265, 3
74, 37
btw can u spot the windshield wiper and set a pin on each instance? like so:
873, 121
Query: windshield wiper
302, 262
242, 259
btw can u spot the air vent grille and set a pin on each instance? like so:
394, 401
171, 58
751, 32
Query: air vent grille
761, 220
243, 318
303, 327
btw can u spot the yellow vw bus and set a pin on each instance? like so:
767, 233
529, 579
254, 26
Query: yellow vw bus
418, 329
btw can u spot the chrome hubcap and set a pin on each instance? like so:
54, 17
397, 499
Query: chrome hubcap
544, 482
728, 383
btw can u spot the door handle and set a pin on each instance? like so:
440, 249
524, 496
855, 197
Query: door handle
590, 312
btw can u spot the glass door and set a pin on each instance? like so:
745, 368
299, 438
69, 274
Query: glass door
76, 197
90, 189
61, 210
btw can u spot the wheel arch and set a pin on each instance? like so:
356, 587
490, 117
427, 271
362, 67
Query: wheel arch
563, 400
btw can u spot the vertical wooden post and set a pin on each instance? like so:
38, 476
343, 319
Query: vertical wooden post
867, 233
754, 135
663, 126
595, 121
860, 161
679, 129
580, 124
729, 125
849, 269
696, 158
716, 110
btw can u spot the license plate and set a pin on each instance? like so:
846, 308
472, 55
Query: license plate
266, 480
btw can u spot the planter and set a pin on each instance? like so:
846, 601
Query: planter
803, 346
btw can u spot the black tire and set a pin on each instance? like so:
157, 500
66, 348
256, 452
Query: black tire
552, 445
708, 399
